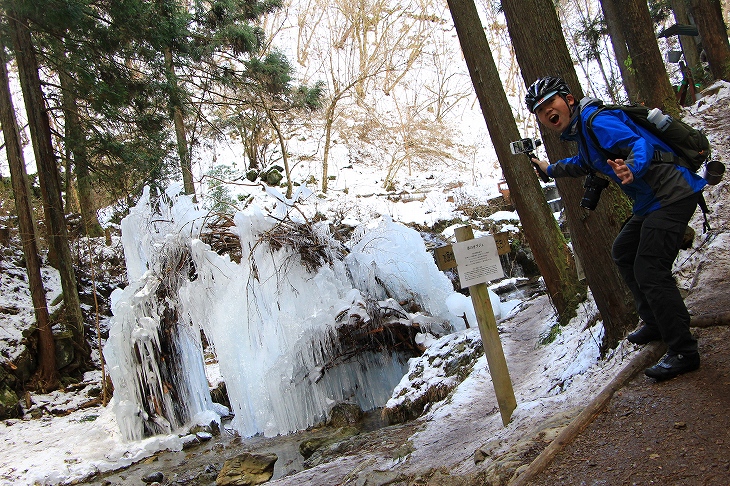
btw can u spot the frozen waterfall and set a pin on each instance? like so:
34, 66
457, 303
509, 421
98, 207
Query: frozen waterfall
273, 322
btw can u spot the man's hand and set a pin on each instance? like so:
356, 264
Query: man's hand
621, 170
540, 163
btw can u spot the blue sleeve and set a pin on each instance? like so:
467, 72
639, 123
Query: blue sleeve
570, 167
617, 134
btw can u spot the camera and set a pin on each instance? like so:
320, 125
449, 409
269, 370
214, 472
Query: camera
527, 146
593, 187
524, 146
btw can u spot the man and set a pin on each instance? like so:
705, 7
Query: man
664, 195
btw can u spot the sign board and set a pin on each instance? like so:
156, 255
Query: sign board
445, 259
478, 261
502, 241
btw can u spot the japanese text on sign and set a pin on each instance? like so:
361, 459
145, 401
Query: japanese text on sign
478, 261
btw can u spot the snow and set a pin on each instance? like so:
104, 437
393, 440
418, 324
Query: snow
60, 449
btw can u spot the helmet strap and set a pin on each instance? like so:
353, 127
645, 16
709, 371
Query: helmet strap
571, 108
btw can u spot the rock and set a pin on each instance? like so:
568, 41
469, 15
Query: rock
9, 406
212, 428
203, 436
26, 365
505, 466
247, 470
273, 177
441, 478
155, 477
344, 414
479, 456
309, 446
64, 349
189, 441
219, 395
485, 451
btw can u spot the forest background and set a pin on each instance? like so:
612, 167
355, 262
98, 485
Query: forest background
103, 99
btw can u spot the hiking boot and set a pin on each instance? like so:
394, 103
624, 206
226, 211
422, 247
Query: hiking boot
644, 335
672, 365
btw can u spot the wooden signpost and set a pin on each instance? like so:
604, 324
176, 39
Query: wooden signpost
478, 262
445, 259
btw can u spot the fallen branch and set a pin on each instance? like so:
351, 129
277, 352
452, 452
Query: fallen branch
62, 413
710, 320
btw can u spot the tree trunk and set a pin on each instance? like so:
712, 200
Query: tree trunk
282, 145
708, 17
76, 142
328, 120
47, 375
186, 165
592, 232
618, 42
654, 88
71, 203
552, 255
687, 42
49, 178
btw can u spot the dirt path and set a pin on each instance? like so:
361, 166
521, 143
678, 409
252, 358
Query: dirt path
675, 432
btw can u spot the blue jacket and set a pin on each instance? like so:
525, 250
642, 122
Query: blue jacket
655, 184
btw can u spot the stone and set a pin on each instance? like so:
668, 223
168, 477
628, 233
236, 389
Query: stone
9, 406
154, 477
219, 394
189, 440
204, 436
212, 428
309, 446
344, 414
64, 349
273, 177
247, 469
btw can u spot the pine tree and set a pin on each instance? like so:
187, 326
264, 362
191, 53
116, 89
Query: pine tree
708, 17
46, 378
191, 42
267, 82
48, 175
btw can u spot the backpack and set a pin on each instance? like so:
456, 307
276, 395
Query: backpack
690, 146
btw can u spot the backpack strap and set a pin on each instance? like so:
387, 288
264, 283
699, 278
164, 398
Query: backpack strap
594, 139
705, 210
659, 156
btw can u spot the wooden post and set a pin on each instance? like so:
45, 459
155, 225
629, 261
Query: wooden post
490, 340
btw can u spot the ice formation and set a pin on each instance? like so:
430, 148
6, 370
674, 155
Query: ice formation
271, 321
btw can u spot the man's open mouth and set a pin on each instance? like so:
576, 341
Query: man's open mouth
554, 118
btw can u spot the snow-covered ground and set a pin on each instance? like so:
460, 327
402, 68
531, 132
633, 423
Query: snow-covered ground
44, 448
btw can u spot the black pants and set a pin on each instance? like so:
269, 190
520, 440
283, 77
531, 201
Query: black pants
644, 252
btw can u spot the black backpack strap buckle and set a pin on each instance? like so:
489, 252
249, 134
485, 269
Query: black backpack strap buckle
664, 157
